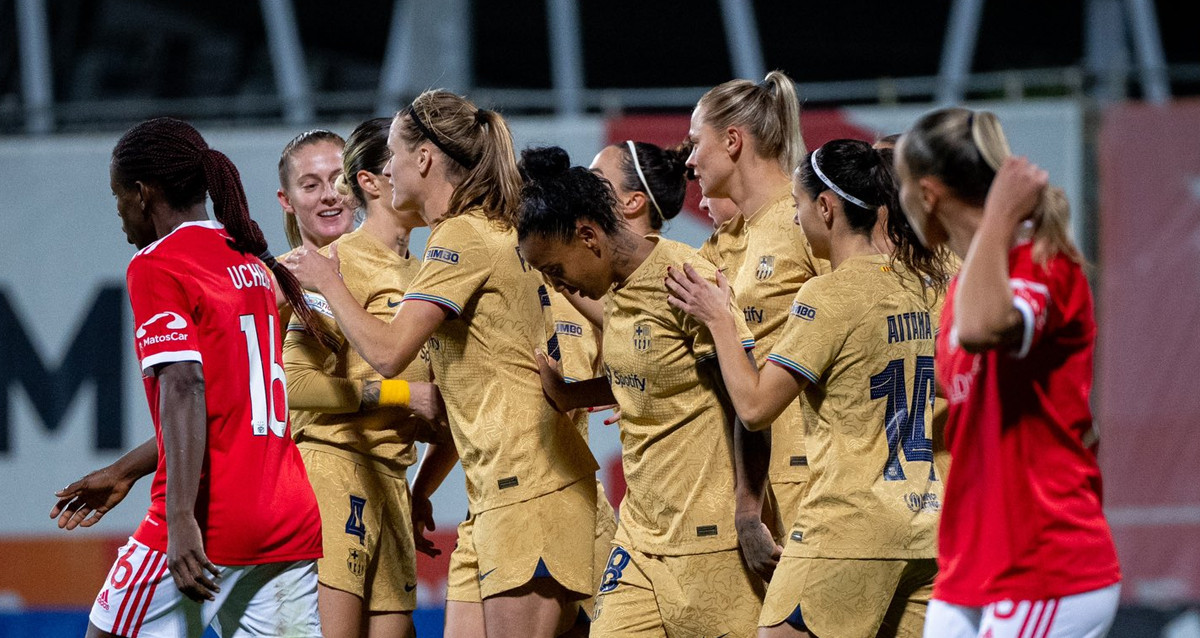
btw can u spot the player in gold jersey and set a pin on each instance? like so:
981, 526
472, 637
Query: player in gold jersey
530, 475
356, 455
675, 569
747, 142
859, 346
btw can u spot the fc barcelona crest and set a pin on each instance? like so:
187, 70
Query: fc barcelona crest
641, 337
766, 267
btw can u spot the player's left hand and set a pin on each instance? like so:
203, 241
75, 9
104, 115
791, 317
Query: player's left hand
188, 563
758, 547
313, 270
422, 520
1016, 191
696, 295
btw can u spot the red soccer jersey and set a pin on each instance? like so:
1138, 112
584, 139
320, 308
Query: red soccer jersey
1022, 519
196, 299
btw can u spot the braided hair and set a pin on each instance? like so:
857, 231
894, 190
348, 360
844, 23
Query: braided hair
172, 155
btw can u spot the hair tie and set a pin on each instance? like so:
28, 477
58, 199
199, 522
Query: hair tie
637, 165
416, 119
268, 259
812, 159
481, 116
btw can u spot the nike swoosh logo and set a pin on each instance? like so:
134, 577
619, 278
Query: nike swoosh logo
393, 305
408, 587
485, 574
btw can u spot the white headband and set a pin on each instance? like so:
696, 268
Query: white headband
834, 187
642, 176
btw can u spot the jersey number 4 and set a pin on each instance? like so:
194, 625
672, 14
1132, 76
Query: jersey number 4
905, 428
264, 413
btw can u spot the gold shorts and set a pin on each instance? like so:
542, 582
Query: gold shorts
366, 532
462, 581
785, 501
646, 596
606, 528
550, 536
850, 598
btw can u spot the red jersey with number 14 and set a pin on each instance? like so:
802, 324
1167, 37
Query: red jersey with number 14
1022, 519
196, 299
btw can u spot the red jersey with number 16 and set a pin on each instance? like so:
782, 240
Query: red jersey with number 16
196, 299
1022, 519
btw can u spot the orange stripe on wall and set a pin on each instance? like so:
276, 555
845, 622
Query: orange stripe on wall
56, 572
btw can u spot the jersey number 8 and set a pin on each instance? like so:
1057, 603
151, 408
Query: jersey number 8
264, 413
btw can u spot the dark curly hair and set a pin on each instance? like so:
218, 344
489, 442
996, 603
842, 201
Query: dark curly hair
557, 195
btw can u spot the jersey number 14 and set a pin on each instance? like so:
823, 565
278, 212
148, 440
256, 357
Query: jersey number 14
905, 428
264, 413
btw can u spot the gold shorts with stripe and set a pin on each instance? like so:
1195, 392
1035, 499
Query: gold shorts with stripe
647, 596
366, 532
550, 536
850, 598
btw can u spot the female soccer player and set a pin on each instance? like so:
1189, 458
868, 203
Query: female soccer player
209, 344
859, 346
676, 566
314, 212
530, 476
1023, 544
747, 142
357, 454
650, 182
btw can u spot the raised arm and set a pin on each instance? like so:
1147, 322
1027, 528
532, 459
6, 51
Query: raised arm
985, 316
758, 398
387, 347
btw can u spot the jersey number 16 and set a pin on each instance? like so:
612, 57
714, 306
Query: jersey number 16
264, 413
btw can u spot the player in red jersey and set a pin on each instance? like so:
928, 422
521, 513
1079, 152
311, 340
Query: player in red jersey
1024, 548
232, 516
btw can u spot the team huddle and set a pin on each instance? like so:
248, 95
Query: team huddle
859, 409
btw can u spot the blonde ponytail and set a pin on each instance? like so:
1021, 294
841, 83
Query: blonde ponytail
769, 110
964, 149
479, 146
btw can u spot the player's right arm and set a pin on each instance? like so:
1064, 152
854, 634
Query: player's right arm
185, 438
566, 397
84, 502
439, 459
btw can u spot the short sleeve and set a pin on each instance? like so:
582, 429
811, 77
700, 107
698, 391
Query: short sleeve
813, 334
164, 317
1031, 289
457, 263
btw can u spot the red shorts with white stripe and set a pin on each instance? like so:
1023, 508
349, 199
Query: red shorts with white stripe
1086, 615
139, 599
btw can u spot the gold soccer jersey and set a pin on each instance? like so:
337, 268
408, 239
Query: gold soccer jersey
863, 339
778, 260
676, 434
726, 247
377, 277
514, 446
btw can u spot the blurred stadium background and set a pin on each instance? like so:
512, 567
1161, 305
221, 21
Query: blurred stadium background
1101, 92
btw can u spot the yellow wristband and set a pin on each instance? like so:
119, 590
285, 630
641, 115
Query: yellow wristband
393, 392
